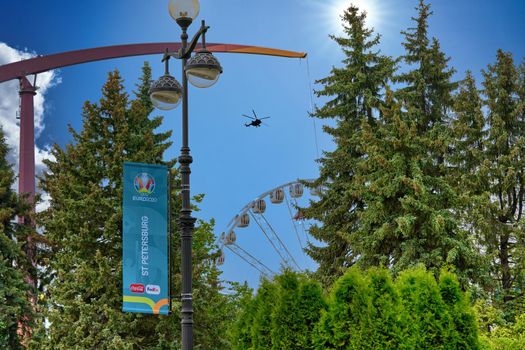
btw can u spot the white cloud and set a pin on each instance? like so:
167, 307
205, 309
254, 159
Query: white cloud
9, 105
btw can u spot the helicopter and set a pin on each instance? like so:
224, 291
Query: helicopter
256, 122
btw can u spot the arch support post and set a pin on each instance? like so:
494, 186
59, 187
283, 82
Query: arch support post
26, 187
26, 166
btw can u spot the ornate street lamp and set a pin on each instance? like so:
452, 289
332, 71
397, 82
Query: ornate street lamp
166, 92
202, 70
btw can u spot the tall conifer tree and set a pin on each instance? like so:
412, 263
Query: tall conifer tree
504, 167
84, 227
408, 213
466, 172
354, 93
468, 136
15, 309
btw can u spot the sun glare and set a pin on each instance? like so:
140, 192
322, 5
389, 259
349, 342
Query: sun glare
371, 7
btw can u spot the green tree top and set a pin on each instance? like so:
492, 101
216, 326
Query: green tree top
354, 93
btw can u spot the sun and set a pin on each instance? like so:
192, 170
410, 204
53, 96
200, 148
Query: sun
372, 8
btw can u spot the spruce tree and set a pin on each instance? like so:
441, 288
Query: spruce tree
354, 93
468, 135
467, 148
408, 216
84, 227
467, 171
504, 174
15, 308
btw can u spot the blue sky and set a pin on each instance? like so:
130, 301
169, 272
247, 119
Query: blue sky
234, 164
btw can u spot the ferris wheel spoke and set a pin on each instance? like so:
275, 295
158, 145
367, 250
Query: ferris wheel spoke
305, 232
254, 259
277, 250
279, 241
293, 222
250, 259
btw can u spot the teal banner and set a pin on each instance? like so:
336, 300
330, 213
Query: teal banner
145, 254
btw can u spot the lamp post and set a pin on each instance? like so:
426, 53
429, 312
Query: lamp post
202, 70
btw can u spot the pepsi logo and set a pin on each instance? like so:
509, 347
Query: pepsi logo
152, 289
136, 288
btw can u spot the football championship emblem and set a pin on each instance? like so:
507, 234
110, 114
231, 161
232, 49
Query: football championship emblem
144, 183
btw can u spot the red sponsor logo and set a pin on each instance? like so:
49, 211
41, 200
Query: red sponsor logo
136, 288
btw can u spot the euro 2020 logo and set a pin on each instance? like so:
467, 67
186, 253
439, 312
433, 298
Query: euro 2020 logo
144, 183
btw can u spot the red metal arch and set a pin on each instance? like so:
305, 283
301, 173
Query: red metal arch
41, 64
20, 70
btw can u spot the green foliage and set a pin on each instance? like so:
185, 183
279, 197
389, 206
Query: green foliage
488, 170
311, 304
424, 313
262, 321
241, 334
282, 315
496, 333
15, 309
463, 333
354, 93
365, 310
346, 323
297, 306
407, 218
84, 226
285, 320
408, 215
387, 199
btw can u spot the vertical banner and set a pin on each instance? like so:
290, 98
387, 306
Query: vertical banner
145, 259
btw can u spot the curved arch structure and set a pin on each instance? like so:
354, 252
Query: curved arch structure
20, 70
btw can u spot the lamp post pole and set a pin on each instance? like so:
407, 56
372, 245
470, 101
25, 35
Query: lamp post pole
187, 222
202, 70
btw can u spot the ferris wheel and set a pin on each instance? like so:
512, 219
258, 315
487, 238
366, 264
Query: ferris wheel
285, 242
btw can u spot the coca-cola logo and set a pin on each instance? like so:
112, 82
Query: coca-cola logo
136, 288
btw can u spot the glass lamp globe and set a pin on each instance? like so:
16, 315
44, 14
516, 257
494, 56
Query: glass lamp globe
203, 69
184, 9
165, 93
